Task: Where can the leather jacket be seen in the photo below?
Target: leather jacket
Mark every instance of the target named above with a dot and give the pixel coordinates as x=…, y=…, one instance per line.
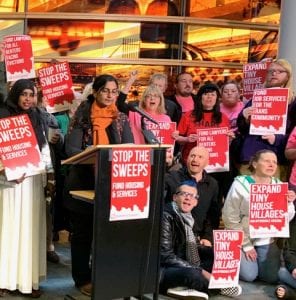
x=173, y=240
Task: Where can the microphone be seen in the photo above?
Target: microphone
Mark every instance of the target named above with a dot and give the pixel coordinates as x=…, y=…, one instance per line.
x=137, y=109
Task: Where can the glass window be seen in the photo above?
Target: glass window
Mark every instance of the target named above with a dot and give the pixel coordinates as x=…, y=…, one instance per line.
x=10, y=27
x=144, y=7
x=131, y=7
x=12, y=6
x=230, y=44
x=241, y=10
x=79, y=6
x=219, y=76
x=104, y=39
x=76, y=39
x=262, y=45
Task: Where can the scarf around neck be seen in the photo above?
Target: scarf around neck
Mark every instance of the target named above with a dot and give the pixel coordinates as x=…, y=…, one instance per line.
x=192, y=255
x=101, y=118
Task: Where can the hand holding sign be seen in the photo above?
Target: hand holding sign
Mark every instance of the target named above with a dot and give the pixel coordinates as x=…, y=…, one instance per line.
x=291, y=196
x=270, y=138
x=247, y=112
x=18, y=148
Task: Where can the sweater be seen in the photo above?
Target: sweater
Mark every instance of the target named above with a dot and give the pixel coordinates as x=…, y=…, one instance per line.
x=235, y=212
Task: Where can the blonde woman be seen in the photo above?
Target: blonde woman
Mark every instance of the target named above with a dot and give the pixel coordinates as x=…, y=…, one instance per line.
x=152, y=103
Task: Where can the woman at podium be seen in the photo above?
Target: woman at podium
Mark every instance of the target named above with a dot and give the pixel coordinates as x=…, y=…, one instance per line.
x=96, y=122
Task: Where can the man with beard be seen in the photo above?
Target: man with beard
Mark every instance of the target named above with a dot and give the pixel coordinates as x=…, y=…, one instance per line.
x=279, y=75
x=183, y=96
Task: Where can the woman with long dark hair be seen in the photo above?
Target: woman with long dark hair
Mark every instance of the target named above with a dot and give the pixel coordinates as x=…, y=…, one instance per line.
x=205, y=114
x=96, y=122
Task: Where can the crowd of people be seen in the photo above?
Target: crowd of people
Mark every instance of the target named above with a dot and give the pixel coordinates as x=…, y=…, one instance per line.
x=196, y=202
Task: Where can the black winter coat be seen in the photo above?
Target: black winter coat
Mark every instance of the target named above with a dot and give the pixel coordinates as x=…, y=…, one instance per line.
x=173, y=240
x=207, y=210
x=78, y=138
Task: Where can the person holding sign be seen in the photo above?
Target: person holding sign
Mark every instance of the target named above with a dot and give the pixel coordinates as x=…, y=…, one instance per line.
x=184, y=273
x=260, y=256
x=22, y=220
x=95, y=122
x=279, y=75
x=206, y=113
x=152, y=104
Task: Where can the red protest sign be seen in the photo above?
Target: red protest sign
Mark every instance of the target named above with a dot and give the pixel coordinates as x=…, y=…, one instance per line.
x=270, y=115
x=227, y=254
x=18, y=147
x=216, y=141
x=163, y=132
x=130, y=183
x=268, y=212
x=18, y=54
x=56, y=85
x=254, y=75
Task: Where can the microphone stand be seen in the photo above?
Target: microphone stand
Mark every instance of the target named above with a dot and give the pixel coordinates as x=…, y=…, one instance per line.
x=148, y=134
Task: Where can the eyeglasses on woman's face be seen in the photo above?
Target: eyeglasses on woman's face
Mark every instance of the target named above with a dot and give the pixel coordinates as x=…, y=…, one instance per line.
x=106, y=91
x=276, y=71
x=27, y=95
x=150, y=96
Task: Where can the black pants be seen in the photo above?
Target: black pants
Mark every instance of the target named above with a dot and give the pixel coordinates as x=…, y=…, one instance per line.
x=189, y=277
x=81, y=246
x=183, y=276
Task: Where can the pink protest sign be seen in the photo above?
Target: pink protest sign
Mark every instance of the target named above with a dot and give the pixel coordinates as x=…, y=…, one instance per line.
x=216, y=141
x=270, y=115
x=18, y=56
x=227, y=254
x=268, y=215
x=163, y=132
x=18, y=148
x=56, y=85
x=130, y=183
x=254, y=75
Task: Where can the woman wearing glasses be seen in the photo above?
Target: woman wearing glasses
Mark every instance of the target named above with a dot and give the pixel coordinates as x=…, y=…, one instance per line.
x=152, y=103
x=96, y=122
x=279, y=74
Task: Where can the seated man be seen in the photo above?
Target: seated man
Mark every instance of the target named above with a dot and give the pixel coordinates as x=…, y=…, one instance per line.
x=207, y=213
x=182, y=269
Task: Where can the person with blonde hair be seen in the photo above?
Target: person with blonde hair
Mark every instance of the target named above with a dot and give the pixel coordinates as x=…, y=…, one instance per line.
x=161, y=81
x=152, y=103
x=260, y=256
x=282, y=68
x=279, y=75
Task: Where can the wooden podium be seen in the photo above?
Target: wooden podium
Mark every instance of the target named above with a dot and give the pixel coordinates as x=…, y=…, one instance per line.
x=125, y=260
